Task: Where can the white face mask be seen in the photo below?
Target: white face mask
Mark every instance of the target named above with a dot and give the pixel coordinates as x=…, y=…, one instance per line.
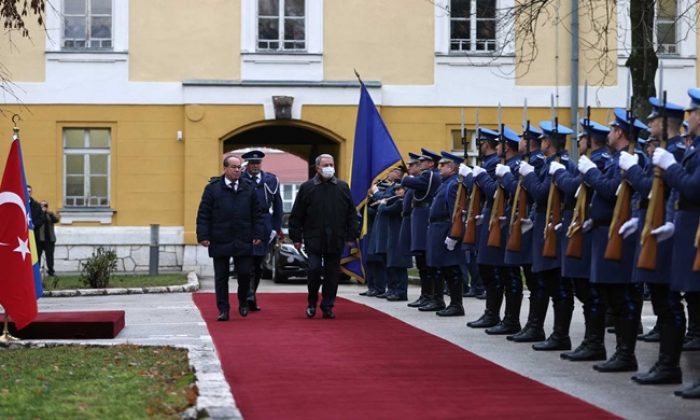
x=327, y=172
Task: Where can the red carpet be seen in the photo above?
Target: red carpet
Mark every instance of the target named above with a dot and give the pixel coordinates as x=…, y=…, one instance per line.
x=365, y=364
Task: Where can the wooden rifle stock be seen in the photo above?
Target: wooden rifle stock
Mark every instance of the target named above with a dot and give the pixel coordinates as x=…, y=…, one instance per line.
x=553, y=218
x=574, y=247
x=518, y=212
x=696, y=263
x=497, y=212
x=457, y=229
x=474, y=210
x=653, y=219
x=621, y=213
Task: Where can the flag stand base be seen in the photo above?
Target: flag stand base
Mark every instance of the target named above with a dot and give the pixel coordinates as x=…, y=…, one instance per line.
x=6, y=337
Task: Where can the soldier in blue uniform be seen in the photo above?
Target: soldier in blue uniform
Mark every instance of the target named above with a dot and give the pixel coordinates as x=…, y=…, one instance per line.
x=529, y=146
x=592, y=142
x=513, y=284
x=559, y=289
x=390, y=220
x=684, y=179
x=424, y=187
x=403, y=246
x=612, y=279
x=443, y=251
x=492, y=268
x=267, y=188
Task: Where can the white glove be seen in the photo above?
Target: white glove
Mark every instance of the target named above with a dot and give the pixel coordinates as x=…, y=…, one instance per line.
x=662, y=158
x=525, y=169
x=587, y=225
x=664, y=231
x=554, y=167
x=502, y=170
x=627, y=161
x=272, y=236
x=629, y=227
x=585, y=164
x=464, y=170
x=477, y=170
x=525, y=225
x=479, y=219
x=450, y=243
x=374, y=189
x=557, y=227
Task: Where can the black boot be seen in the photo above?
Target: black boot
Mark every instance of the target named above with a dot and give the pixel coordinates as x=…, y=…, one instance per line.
x=593, y=346
x=424, y=290
x=667, y=369
x=662, y=373
x=691, y=392
x=490, y=318
x=624, y=359
x=437, y=301
x=559, y=339
x=652, y=336
x=511, y=319
x=533, y=331
x=692, y=338
x=454, y=284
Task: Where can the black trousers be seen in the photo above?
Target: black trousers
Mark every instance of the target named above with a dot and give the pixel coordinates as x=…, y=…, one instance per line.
x=324, y=269
x=47, y=247
x=221, y=277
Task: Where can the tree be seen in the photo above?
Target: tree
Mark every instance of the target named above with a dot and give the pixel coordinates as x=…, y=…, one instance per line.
x=13, y=13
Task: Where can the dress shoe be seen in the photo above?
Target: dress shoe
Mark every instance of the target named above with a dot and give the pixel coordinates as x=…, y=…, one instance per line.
x=328, y=313
x=243, y=310
x=382, y=295
x=584, y=353
x=652, y=336
x=487, y=320
x=618, y=363
x=253, y=305
x=310, y=311
x=372, y=293
x=223, y=316
x=690, y=392
x=431, y=306
x=418, y=302
x=503, y=328
x=451, y=311
x=553, y=343
x=660, y=375
x=691, y=344
x=397, y=298
x=528, y=335
x=364, y=293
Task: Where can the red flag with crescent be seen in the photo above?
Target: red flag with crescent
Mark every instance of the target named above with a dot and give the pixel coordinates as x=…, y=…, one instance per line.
x=17, y=291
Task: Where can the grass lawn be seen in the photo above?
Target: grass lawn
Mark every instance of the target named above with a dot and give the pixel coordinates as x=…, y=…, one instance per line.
x=74, y=282
x=125, y=382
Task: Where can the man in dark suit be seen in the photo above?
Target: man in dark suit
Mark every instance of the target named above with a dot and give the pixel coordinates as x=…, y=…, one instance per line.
x=325, y=217
x=230, y=224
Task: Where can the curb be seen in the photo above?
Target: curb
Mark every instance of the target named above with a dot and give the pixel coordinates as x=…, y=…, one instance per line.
x=192, y=285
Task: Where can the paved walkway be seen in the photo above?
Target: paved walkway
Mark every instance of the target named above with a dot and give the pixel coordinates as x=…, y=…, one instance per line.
x=172, y=319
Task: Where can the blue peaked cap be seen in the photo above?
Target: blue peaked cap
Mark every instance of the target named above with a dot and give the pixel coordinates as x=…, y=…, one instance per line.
x=694, y=94
x=451, y=158
x=428, y=155
x=487, y=134
x=548, y=129
x=413, y=158
x=624, y=124
x=593, y=129
x=510, y=135
x=672, y=110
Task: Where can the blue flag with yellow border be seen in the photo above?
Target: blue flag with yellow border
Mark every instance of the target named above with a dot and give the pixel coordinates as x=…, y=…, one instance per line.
x=374, y=154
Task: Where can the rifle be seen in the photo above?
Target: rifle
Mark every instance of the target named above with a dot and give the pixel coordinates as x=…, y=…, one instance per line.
x=457, y=229
x=655, y=215
x=499, y=205
x=519, y=209
x=474, y=199
x=553, y=215
x=574, y=248
x=622, y=210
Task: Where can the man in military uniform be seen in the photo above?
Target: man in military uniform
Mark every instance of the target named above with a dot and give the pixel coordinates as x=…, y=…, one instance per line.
x=397, y=263
x=267, y=188
x=424, y=187
x=403, y=245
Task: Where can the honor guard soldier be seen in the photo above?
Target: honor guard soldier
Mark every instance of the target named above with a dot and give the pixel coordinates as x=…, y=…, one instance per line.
x=397, y=262
x=548, y=267
x=375, y=261
x=492, y=268
x=424, y=187
x=592, y=142
x=402, y=251
x=612, y=278
x=529, y=147
x=267, y=188
x=684, y=179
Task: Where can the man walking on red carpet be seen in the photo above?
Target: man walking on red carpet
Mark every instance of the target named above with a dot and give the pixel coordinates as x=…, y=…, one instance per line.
x=325, y=217
x=230, y=223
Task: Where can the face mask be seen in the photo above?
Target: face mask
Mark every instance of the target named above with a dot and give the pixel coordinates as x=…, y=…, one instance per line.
x=327, y=172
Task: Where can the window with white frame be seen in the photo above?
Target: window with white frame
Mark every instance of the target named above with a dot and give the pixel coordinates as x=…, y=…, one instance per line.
x=666, y=26
x=281, y=25
x=472, y=26
x=86, y=167
x=289, y=193
x=87, y=24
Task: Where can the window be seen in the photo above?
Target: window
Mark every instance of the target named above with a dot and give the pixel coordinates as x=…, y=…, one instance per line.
x=87, y=24
x=666, y=26
x=86, y=163
x=289, y=193
x=472, y=25
x=281, y=25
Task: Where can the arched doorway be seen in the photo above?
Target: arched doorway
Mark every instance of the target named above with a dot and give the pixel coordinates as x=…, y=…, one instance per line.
x=299, y=138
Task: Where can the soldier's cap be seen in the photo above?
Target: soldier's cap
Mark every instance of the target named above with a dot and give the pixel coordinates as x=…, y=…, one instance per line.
x=254, y=156
x=412, y=158
x=429, y=155
x=694, y=94
x=548, y=129
x=593, y=129
x=624, y=124
x=487, y=134
x=672, y=110
x=510, y=135
x=451, y=158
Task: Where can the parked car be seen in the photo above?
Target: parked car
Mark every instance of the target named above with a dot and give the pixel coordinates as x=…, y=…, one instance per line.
x=284, y=262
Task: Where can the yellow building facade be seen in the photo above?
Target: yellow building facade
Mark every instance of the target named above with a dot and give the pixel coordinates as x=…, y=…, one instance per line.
x=127, y=106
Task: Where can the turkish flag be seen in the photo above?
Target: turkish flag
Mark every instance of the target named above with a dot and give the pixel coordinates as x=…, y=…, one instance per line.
x=17, y=291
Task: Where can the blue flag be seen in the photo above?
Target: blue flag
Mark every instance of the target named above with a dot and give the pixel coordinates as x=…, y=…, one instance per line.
x=374, y=155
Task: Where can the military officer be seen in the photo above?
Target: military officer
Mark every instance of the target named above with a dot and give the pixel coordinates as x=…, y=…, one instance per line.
x=389, y=217
x=267, y=188
x=403, y=245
